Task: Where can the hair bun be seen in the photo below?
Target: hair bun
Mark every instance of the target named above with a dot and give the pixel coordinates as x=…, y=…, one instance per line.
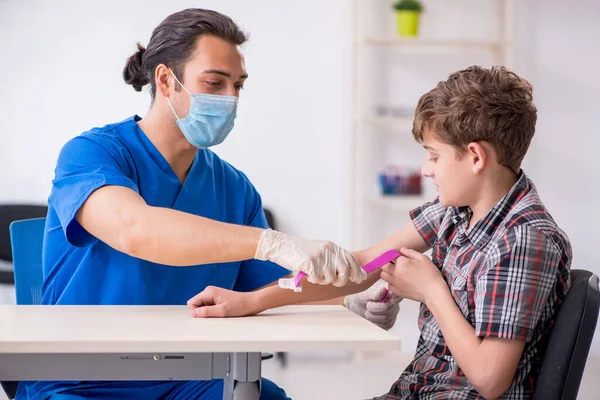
x=134, y=73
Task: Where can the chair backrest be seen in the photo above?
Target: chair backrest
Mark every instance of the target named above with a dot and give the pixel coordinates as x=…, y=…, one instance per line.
x=570, y=340
x=27, y=237
x=15, y=212
x=8, y=214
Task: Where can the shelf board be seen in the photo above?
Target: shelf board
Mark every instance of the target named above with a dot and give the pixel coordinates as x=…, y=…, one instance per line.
x=399, y=202
x=417, y=42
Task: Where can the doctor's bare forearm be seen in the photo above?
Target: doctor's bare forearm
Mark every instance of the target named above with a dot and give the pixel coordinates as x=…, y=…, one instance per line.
x=119, y=217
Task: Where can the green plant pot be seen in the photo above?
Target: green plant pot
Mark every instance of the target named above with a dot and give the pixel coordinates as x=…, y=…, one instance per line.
x=407, y=23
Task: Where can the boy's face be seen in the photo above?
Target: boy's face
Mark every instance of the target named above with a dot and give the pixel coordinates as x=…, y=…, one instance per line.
x=451, y=173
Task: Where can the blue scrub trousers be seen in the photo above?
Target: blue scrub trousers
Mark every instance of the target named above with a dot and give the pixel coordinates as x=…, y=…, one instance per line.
x=186, y=390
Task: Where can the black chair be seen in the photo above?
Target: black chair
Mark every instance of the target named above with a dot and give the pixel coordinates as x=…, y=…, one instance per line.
x=8, y=214
x=570, y=340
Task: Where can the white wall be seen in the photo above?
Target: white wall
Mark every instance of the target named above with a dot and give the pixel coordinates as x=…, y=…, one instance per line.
x=61, y=64
x=560, y=55
x=557, y=50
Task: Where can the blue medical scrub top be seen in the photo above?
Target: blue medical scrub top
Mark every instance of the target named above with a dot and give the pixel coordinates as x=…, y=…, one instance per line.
x=80, y=269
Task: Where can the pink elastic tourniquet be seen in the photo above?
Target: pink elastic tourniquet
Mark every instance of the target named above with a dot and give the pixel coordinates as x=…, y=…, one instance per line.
x=371, y=266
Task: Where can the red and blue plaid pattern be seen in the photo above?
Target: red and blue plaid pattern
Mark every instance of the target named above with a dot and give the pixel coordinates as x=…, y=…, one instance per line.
x=508, y=274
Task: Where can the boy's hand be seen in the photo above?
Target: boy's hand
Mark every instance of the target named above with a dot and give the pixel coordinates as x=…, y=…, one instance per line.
x=218, y=302
x=413, y=276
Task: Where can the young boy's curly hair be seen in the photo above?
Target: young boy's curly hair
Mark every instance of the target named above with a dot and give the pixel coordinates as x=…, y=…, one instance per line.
x=479, y=104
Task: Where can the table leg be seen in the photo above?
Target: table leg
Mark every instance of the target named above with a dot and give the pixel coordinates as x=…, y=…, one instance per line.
x=243, y=380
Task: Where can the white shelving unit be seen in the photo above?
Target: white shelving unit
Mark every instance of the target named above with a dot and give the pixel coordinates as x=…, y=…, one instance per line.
x=373, y=135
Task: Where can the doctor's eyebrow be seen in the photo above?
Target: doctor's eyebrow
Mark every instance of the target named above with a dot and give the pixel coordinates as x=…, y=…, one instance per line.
x=223, y=73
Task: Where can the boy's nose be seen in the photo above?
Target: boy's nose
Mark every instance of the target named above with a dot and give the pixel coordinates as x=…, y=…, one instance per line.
x=426, y=171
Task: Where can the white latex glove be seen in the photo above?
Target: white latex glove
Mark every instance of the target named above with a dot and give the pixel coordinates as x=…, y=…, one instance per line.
x=324, y=262
x=368, y=305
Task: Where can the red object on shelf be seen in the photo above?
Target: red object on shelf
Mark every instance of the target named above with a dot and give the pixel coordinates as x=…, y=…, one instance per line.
x=395, y=180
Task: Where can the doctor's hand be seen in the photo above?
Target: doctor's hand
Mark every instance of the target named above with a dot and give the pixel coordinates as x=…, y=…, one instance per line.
x=216, y=302
x=324, y=262
x=368, y=305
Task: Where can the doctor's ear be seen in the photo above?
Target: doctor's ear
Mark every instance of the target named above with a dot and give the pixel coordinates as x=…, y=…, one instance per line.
x=164, y=80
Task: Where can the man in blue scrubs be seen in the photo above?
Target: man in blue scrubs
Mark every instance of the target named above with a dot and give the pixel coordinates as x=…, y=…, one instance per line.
x=143, y=213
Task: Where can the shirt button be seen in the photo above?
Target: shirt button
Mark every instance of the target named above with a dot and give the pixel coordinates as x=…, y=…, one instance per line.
x=395, y=390
x=426, y=314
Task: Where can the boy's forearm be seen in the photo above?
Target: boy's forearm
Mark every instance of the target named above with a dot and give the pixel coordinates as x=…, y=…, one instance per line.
x=488, y=375
x=274, y=296
x=458, y=333
x=338, y=301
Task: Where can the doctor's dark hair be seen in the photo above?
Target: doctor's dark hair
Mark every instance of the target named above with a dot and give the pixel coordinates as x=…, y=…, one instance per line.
x=174, y=40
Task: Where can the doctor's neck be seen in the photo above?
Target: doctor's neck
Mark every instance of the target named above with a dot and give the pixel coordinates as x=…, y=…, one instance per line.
x=162, y=130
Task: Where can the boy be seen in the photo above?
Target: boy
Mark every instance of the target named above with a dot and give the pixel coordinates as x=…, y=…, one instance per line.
x=500, y=264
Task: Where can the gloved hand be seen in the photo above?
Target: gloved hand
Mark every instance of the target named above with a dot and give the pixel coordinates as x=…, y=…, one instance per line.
x=323, y=262
x=368, y=305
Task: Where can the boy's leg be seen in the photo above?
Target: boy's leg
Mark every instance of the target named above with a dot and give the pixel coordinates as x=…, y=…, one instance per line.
x=213, y=390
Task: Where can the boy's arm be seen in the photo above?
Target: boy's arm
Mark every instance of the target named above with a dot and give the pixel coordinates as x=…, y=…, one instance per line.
x=489, y=363
x=217, y=302
x=405, y=237
x=510, y=298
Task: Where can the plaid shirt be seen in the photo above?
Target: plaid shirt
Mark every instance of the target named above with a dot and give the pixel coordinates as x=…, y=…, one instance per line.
x=507, y=274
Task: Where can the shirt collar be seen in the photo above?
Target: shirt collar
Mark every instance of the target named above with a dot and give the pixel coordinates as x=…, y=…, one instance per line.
x=481, y=233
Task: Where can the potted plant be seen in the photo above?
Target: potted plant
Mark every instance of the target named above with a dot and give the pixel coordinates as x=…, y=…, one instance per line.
x=407, y=16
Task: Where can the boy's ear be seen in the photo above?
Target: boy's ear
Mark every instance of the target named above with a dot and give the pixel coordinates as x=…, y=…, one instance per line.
x=478, y=155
